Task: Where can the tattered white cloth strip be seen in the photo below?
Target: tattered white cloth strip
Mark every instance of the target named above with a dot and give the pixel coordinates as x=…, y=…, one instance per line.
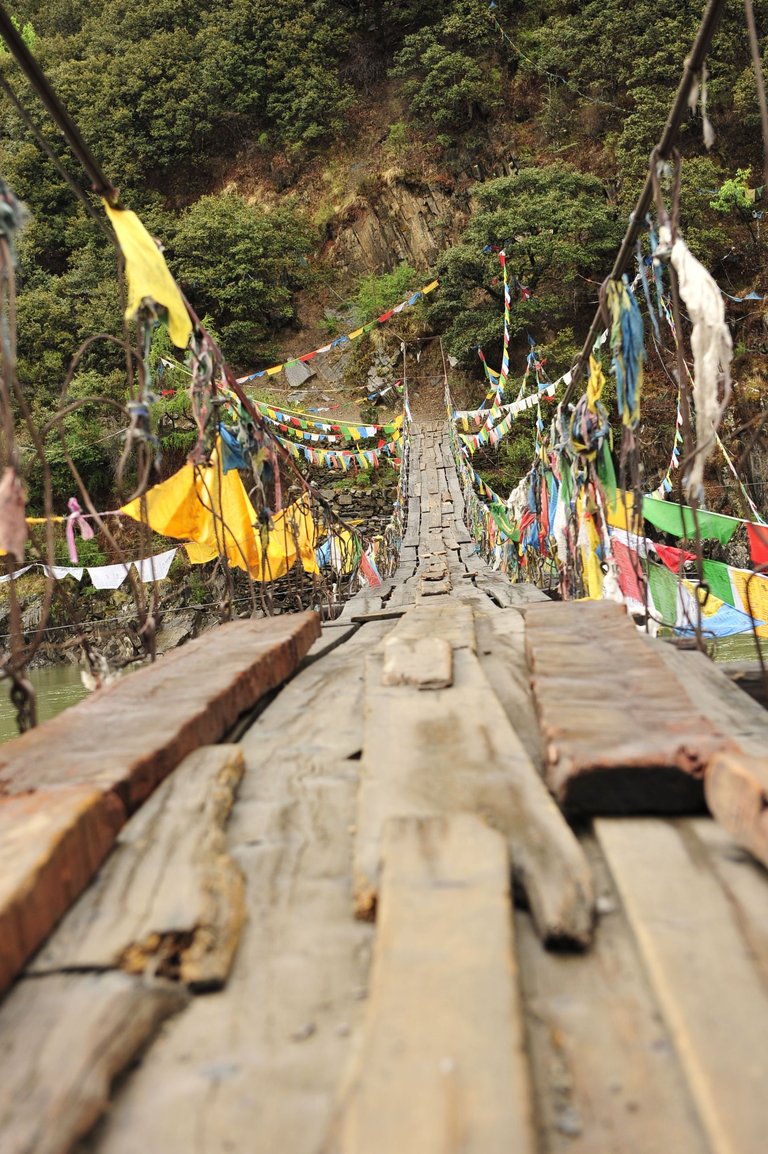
x=62, y=571
x=18, y=573
x=712, y=351
x=107, y=576
x=155, y=568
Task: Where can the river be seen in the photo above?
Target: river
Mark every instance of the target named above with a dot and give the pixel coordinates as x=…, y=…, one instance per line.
x=57, y=687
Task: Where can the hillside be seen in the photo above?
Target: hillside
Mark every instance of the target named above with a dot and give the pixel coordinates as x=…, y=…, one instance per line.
x=307, y=165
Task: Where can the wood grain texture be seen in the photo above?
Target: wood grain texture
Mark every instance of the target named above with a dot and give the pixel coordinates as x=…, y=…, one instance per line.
x=51, y=844
x=255, y=1066
x=606, y=1075
x=736, y=789
x=425, y=662
x=187, y=699
x=604, y=754
x=453, y=750
x=169, y=900
x=65, y=1039
x=713, y=998
x=441, y=1065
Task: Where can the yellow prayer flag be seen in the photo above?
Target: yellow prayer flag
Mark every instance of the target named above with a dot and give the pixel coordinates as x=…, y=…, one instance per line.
x=148, y=274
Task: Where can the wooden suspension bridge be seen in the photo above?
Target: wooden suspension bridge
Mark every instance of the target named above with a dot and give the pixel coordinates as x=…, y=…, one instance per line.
x=314, y=892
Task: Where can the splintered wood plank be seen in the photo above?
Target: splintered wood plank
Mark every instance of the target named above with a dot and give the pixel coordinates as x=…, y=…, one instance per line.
x=170, y=898
x=65, y=1039
x=712, y=996
x=736, y=788
x=441, y=1066
x=256, y=1066
x=453, y=750
x=621, y=734
x=606, y=1075
x=126, y=738
x=51, y=844
x=447, y=618
x=426, y=662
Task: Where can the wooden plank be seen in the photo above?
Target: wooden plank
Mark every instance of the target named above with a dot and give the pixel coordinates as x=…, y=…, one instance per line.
x=727, y=707
x=65, y=1039
x=442, y=1065
x=187, y=699
x=629, y=744
x=508, y=594
x=712, y=997
x=169, y=900
x=388, y=613
x=333, y=633
x=426, y=662
x=736, y=789
x=51, y=844
x=453, y=750
x=256, y=1065
x=501, y=647
x=447, y=618
x=606, y=1076
x=745, y=883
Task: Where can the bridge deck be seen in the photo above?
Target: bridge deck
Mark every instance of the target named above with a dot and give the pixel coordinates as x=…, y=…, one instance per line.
x=399, y=777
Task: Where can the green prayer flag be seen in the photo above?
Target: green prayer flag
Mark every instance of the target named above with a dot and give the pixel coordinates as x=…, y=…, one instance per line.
x=501, y=517
x=663, y=586
x=718, y=578
x=678, y=520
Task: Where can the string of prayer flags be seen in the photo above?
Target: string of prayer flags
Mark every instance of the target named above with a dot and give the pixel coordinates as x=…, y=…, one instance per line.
x=273, y=370
x=678, y=521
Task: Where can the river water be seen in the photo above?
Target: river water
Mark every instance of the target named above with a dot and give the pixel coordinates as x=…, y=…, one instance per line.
x=56, y=688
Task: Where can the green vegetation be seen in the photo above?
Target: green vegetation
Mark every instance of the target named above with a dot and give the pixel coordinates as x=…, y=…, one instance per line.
x=249, y=133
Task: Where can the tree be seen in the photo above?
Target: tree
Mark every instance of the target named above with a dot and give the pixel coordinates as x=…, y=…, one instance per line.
x=242, y=265
x=559, y=234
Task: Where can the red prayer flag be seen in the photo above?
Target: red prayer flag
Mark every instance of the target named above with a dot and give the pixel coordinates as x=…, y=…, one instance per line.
x=758, y=543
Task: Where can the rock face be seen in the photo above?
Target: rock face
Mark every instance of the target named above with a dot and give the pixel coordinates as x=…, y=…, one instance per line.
x=405, y=221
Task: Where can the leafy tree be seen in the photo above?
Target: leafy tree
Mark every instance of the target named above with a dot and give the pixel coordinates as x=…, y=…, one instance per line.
x=449, y=82
x=242, y=265
x=558, y=232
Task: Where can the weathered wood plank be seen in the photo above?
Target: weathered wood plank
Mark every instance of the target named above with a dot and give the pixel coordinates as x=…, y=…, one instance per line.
x=508, y=594
x=629, y=744
x=51, y=844
x=256, y=1065
x=426, y=662
x=442, y=1065
x=447, y=618
x=745, y=883
x=334, y=633
x=728, y=708
x=65, y=1039
x=453, y=750
x=712, y=997
x=501, y=647
x=736, y=789
x=606, y=1076
x=187, y=699
x=170, y=898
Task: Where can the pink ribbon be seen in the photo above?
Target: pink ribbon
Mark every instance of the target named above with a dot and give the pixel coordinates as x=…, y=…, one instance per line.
x=76, y=518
